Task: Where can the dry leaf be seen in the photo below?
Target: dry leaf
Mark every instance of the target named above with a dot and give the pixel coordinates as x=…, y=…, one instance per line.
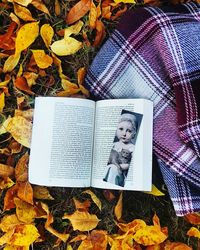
x=155, y=191
x=40, y=6
x=82, y=221
x=119, y=13
x=94, y=198
x=11, y=62
x=150, y=235
x=7, y=236
x=21, y=169
x=193, y=218
x=6, y=170
x=9, y=197
x=174, y=246
x=106, y=12
x=25, y=192
x=118, y=207
x=78, y=238
x=47, y=34
x=27, y=114
x=6, y=40
x=57, y=8
x=2, y=101
x=42, y=60
x=124, y=1
x=132, y=226
x=82, y=206
x=24, y=235
x=193, y=231
x=31, y=78
x=25, y=212
x=6, y=182
x=21, y=2
x=20, y=128
x=12, y=247
x=78, y=10
x=68, y=45
x=41, y=193
x=15, y=19
x=108, y=195
x=93, y=15
x=100, y=33
x=23, y=13
x=8, y=222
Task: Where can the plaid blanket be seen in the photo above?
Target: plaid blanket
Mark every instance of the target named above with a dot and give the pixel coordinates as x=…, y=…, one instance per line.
x=155, y=53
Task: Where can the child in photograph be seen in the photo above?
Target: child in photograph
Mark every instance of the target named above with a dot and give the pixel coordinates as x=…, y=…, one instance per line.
x=121, y=153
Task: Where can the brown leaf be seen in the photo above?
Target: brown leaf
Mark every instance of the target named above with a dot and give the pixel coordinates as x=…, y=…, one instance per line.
x=57, y=8
x=15, y=147
x=100, y=33
x=27, y=114
x=82, y=221
x=118, y=207
x=40, y=6
x=78, y=10
x=6, y=182
x=9, y=197
x=6, y=170
x=21, y=169
x=25, y=192
x=82, y=206
x=108, y=195
x=193, y=218
x=94, y=198
x=7, y=38
x=175, y=246
x=21, y=83
x=41, y=193
x=23, y=13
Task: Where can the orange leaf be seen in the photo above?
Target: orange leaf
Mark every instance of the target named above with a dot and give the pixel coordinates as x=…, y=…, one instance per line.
x=132, y=226
x=47, y=33
x=42, y=60
x=22, y=2
x=40, y=6
x=193, y=231
x=82, y=221
x=9, y=197
x=7, y=37
x=106, y=12
x=6, y=182
x=57, y=8
x=92, y=15
x=94, y=198
x=100, y=33
x=25, y=192
x=21, y=169
x=78, y=10
x=193, y=218
x=175, y=246
x=8, y=222
x=22, y=84
x=31, y=78
x=23, y=13
x=118, y=207
x=78, y=238
x=6, y=170
x=119, y=13
x=156, y=221
x=82, y=206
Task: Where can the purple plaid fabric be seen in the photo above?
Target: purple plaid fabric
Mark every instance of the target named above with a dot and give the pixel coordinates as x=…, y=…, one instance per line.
x=155, y=54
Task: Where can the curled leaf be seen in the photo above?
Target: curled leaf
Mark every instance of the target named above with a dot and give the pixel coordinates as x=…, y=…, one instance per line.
x=82, y=221
x=174, y=246
x=47, y=33
x=23, y=13
x=42, y=60
x=9, y=197
x=93, y=15
x=100, y=33
x=118, y=207
x=193, y=231
x=40, y=6
x=94, y=198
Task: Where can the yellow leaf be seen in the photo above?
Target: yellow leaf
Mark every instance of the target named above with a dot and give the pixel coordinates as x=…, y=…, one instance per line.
x=118, y=207
x=25, y=192
x=11, y=63
x=47, y=33
x=15, y=19
x=6, y=81
x=124, y=1
x=93, y=15
x=82, y=221
x=20, y=71
x=26, y=36
x=2, y=101
x=6, y=170
x=12, y=247
x=40, y=192
x=150, y=235
x=8, y=222
x=20, y=128
x=27, y=114
x=31, y=78
x=193, y=231
x=25, y=212
x=23, y=13
x=21, y=169
x=68, y=45
x=24, y=235
x=7, y=236
x=94, y=198
x=21, y=2
x=40, y=6
x=6, y=182
x=155, y=191
x=42, y=60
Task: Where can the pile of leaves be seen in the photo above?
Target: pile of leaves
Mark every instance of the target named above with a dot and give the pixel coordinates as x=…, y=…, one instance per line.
x=45, y=50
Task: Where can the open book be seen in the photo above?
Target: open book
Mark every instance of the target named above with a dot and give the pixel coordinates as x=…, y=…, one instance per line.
x=81, y=143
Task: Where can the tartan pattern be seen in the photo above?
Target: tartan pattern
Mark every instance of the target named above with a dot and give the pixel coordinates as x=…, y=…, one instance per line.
x=155, y=54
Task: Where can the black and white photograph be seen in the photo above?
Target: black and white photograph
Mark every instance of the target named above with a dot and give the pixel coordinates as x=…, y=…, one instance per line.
x=122, y=150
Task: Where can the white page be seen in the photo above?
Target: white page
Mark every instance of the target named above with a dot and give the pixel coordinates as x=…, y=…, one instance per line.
x=107, y=117
x=62, y=138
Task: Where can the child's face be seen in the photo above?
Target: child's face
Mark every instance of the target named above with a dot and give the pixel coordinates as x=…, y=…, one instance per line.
x=125, y=131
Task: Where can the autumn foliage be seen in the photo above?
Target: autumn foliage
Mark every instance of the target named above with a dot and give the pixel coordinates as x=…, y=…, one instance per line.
x=45, y=49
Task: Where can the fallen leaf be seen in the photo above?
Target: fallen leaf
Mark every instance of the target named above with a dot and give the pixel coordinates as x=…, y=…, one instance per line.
x=21, y=2
x=41, y=193
x=94, y=198
x=21, y=169
x=2, y=101
x=25, y=192
x=82, y=206
x=174, y=246
x=132, y=226
x=108, y=195
x=9, y=197
x=27, y=114
x=40, y=6
x=150, y=235
x=156, y=221
x=6, y=182
x=31, y=78
x=15, y=19
x=92, y=15
x=118, y=207
x=79, y=10
x=23, y=13
x=9, y=222
x=7, y=236
x=106, y=12
x=80, y=237
x=20, y=128
x=47, y=34
x=119, y=13
x=68, y=45
x=42, y=60
x=155, y=191
x=57, y=8
x=193, y=231
x=7, y=38
x=26, y=36
x=24, y=211
x=124, y=1
x=193, y=218
x=11, y=62
x=24, y=235
x=12, y=247
x=100, y=33
x=6, y=171
x=82, y=221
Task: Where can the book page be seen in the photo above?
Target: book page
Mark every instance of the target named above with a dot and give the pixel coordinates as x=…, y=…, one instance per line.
x=121, y=162
x=62, y=142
